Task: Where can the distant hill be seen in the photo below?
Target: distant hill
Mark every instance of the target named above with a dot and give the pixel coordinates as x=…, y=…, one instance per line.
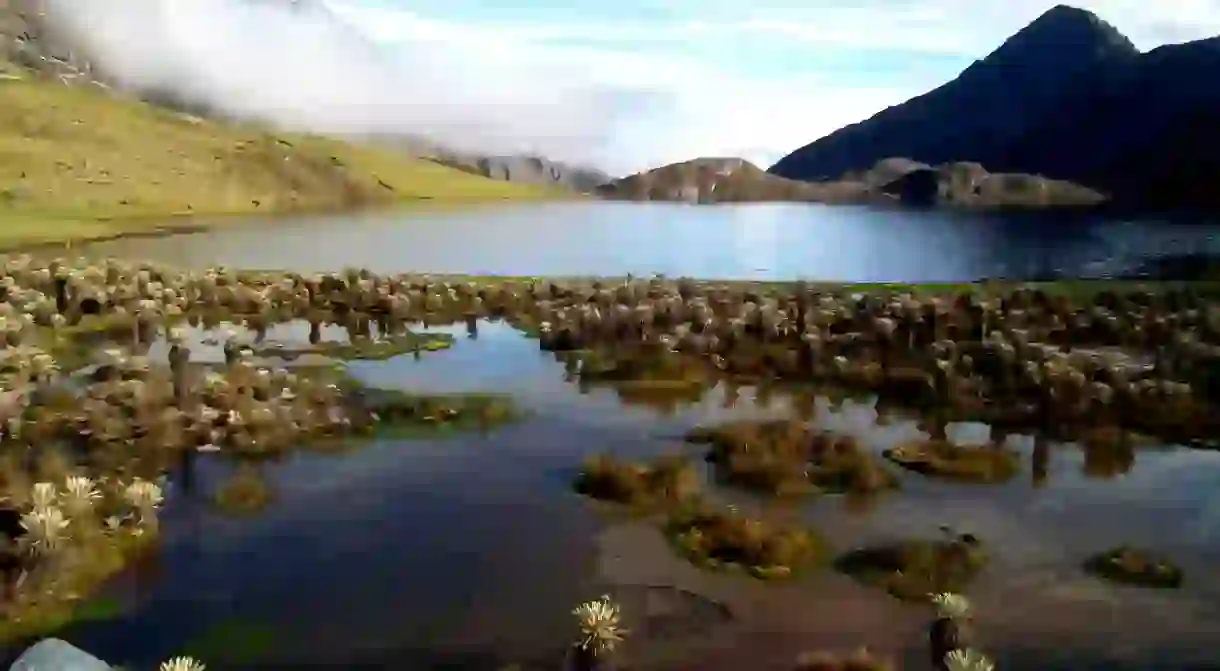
x=1068, y=97
x=726, y=180
x=722, y=180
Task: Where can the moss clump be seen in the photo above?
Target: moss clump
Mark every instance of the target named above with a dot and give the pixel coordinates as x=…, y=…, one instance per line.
x=860, y=660
x=405, y=415
x=913, y=569
x=668, y=479
x=714, y=538
x=787, y=457
x=959, y=462
x=1131, y=566
x=369, y=349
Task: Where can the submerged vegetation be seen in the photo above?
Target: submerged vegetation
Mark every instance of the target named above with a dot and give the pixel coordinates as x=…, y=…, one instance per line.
x=914, y=569
x=1132, y=566
x=960, y=462
x=715, y=538
x=665, y=480
x=785, y=457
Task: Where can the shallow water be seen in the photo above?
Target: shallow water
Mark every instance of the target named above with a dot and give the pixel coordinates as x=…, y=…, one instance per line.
x=760, y=241
x=469, y=552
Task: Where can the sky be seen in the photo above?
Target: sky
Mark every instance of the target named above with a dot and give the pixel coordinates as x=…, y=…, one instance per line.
x=623, y=86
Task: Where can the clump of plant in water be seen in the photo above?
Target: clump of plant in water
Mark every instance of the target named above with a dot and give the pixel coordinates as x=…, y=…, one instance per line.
x=367, y=349
x=74, y=535
x=859, y=660
x=940, y=458
x=665, y=480
x=724, y=538
x=783, y=457
x=1133, y=566
x=403, y=413
x=912, y=569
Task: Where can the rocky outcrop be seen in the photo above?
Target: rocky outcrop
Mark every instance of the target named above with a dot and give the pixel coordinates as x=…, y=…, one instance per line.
x=902, y=180
x=970, y=185
x=1067, y=97
x=526, y=169
x=724, y=180
x=53, y=654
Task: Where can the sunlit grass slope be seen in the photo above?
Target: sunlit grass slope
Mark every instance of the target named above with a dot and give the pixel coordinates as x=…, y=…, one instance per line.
x=80, y=163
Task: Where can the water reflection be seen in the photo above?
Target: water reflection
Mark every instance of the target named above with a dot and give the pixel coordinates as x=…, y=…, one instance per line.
x=428, y=550
x=759, y=241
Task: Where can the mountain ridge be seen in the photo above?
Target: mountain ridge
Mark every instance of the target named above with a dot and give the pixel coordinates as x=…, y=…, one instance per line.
x=1068, y=97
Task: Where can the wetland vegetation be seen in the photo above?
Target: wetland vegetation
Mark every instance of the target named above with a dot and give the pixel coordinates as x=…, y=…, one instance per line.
x=117, y=374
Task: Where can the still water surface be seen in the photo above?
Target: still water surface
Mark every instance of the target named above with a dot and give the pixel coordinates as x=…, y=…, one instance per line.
x=469, y=553
x=764, y=241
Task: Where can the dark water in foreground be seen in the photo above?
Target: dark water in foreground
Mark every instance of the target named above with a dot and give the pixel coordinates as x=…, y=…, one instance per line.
x=469, y=553
x=764, y=241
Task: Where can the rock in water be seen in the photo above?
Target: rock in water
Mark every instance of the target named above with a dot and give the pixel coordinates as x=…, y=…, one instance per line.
x=52, y=654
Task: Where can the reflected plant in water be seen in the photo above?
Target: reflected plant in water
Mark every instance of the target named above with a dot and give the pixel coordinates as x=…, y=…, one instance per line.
x=182, y=664
x=968, y=660
x=46, y=529
x=599, y=625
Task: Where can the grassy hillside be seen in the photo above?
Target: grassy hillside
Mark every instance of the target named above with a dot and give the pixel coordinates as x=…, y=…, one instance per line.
x=79, y=163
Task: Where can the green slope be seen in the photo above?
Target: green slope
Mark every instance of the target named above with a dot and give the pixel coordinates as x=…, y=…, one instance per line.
x=79, y=163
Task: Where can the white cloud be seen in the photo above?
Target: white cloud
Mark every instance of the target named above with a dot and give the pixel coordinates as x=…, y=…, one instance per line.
x=621, y=93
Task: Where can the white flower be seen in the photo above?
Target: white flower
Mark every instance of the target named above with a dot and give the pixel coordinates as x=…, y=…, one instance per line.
x=45, y=527
x=953, y=606
x=43, y=495
x=968, y=660
x=143, y=495
x=79, y=494
x=599, y=624
x=182, y=664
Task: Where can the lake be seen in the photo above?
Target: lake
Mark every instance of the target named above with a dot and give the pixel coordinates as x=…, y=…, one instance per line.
x=470, y=552
x=764, y=241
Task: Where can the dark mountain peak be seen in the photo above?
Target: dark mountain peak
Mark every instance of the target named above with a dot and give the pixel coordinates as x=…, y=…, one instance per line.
x=1065, y=32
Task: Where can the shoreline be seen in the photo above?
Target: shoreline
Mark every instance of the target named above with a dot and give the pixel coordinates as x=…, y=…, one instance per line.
x=190, y=223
